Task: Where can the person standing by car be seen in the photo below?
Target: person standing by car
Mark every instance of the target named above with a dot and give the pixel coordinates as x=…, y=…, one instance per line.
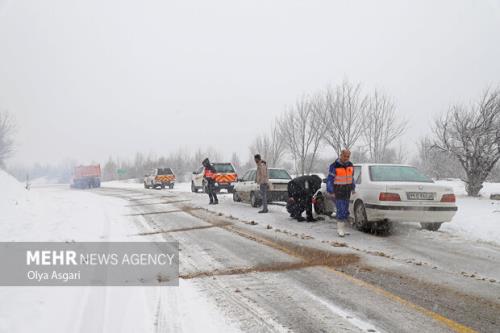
x=208, y=175
x=300, y=193
x=262, y=179
x=340, y=183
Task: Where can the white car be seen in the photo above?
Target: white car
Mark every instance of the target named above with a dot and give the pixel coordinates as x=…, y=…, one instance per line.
x=246, y=189
x=388, y=193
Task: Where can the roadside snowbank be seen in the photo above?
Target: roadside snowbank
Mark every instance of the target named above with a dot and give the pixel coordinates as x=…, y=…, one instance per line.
x=59, y=214
x=12, y=192
x=477, y=218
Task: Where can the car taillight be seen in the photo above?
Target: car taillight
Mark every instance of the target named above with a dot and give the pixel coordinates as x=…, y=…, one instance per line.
x=384, y=196
x=448, y=198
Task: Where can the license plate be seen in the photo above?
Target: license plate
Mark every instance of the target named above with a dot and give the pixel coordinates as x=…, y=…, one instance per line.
x=420, y=195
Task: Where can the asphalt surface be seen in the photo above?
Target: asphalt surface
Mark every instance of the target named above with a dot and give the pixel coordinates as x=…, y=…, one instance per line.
x=268, y=281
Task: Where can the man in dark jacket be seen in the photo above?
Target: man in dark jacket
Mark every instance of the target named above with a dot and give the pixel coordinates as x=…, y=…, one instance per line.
x=208, y=175
x=300, y=193
x=340, y=183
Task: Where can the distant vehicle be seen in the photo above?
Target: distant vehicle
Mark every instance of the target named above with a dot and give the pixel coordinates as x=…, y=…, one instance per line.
x=160, y=177
x=225, y=178
x=387, y=193
x=86, y=176
x=248, y=190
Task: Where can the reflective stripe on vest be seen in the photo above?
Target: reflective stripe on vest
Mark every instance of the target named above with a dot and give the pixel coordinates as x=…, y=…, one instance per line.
x=343, y=176
x=209, y=173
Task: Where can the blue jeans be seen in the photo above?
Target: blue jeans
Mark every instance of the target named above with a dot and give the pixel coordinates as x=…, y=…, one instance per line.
x=342, y=206
x=263, y=194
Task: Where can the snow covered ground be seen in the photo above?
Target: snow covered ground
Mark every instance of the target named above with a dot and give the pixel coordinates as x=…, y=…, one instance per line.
x=56, y=213
x=477, y=218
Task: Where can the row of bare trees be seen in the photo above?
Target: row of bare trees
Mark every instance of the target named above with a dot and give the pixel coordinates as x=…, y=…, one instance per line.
x=337, y=117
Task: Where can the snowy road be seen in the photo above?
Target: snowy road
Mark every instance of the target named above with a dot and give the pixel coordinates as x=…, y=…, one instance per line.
x=279, y=275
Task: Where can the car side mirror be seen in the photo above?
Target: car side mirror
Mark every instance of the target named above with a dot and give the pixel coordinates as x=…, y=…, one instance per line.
x=324, y=180
x=194, y=173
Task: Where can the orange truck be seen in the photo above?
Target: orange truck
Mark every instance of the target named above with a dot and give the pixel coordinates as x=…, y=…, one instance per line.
x=86, y=176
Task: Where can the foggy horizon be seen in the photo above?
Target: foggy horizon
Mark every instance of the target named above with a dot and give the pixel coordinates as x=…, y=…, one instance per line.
x=86, y=81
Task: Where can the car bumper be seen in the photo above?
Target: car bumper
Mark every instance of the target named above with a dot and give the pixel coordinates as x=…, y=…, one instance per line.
x=224, y=185
x=400, y=213
x=275, y=196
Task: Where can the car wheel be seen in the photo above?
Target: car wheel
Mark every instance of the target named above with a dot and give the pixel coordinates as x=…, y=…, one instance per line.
x=204, y=187
x=253, y=200
x=146, y=185
x=193, y=188
x=360, y=219
x=162, y=186
x=171, y=186
x=236, y=197
x=431, y=226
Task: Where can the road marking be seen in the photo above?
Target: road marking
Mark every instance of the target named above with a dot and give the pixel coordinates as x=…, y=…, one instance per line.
x=453, y=325
x=351, y=318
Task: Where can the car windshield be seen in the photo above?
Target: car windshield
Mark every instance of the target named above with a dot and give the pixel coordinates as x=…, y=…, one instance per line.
x=223, y=167
x=278, y=174
x=397, y=173
x=165, y=171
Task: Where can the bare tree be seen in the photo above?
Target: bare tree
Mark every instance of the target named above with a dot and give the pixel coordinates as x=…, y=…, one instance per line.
x=436, y=163
x=380, y=126
x=235, y=160
x=7, y=129
x=270, y=146
x=345, y=107
x=302, y=128
x=472, y=135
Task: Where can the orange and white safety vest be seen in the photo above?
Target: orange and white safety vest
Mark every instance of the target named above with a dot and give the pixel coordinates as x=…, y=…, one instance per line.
x=343, y=175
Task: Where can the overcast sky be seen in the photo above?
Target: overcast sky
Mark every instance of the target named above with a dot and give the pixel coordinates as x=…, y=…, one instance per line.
x=89, y=79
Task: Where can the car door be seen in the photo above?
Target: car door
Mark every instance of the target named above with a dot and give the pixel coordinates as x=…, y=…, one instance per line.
x=252, y=185
x=198, y=178
x=240, y=186
x=358, y=180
